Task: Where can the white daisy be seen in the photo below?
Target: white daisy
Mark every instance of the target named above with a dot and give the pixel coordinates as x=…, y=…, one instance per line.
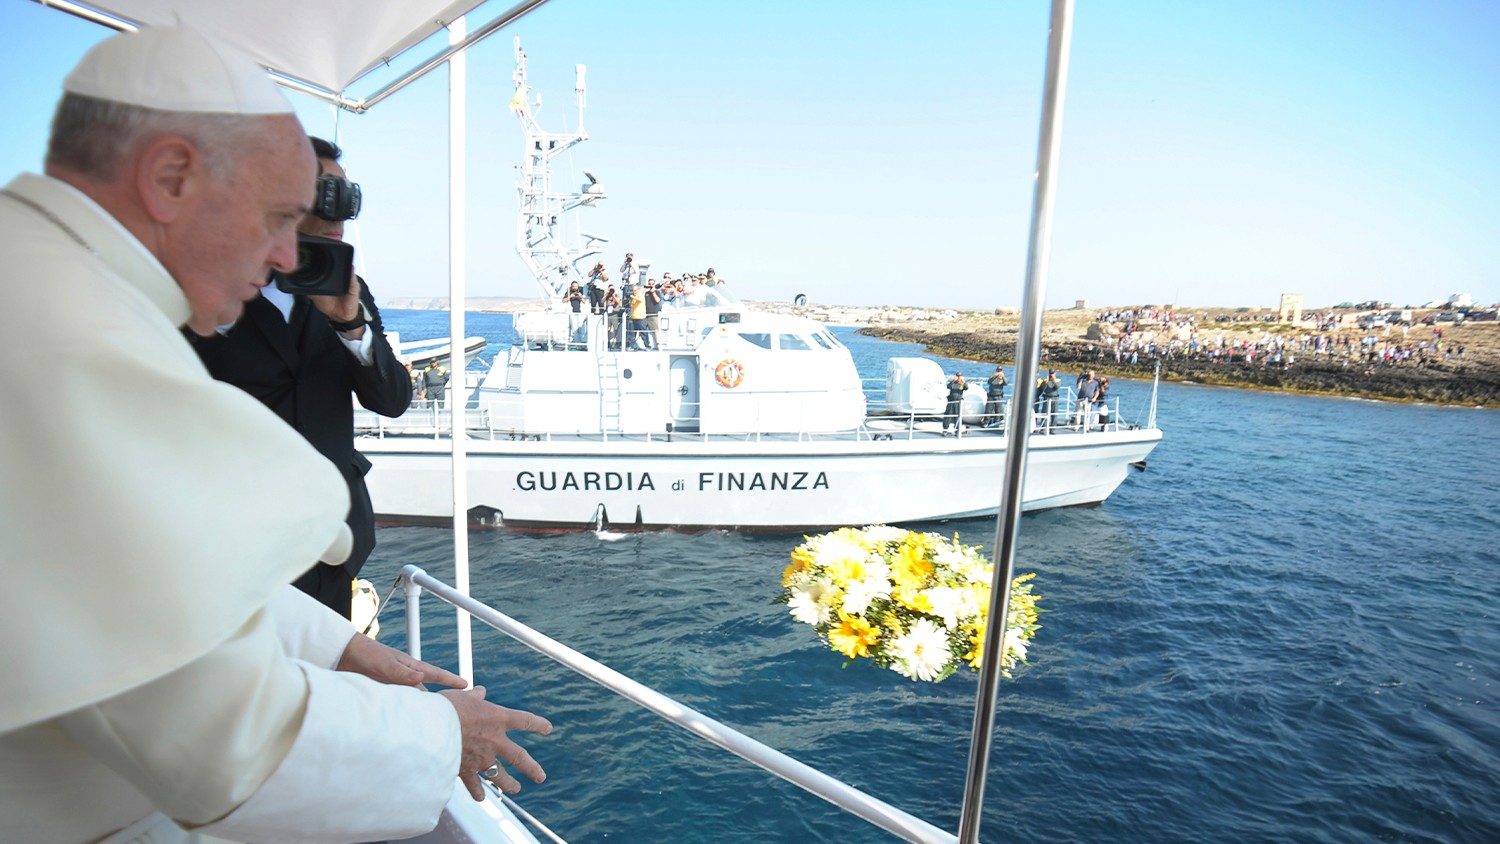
x=832, y=548
x=884, y=533
x=1015, y=646
x=922, y=652
x=806, y=606
x=951, y=558
x=859, y=594
x=947, y=604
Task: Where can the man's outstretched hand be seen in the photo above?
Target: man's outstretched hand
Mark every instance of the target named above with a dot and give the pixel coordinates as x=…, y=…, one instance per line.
x=385, y=664
x=484, y=726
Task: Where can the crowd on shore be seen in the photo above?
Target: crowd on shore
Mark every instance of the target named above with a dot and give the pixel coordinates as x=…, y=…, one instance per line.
x=1268, y=350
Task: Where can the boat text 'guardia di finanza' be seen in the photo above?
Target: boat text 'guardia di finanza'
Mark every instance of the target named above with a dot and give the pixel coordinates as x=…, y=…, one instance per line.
x=529, y=481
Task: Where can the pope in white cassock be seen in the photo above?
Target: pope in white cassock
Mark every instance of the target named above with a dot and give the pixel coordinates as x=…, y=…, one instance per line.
x=161, y=680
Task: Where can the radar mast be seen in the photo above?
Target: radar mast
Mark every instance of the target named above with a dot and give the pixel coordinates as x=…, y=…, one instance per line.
x=539, y=239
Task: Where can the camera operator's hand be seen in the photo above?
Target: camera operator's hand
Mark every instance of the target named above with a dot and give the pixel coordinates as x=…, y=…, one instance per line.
x=343, y=308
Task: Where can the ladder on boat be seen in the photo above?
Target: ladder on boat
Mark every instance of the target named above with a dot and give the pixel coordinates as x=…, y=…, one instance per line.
x=609, y=392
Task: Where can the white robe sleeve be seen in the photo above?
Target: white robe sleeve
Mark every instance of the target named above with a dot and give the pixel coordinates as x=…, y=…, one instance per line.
x=253, y=745
x=308, y=630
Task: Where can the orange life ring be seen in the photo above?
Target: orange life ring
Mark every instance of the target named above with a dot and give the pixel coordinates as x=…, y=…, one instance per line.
x=729, y=373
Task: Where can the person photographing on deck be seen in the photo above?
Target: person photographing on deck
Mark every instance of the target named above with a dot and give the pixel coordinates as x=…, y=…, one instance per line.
x=994, y=405
x=302, y=357
x=160, y=673
x=952, y=413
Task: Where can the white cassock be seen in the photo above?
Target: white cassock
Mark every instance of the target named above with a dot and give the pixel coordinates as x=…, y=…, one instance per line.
x=153, y=658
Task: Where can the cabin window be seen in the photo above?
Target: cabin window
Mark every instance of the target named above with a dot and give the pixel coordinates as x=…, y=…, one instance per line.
x=761, y=340
x=792, y=342
x=823, y=340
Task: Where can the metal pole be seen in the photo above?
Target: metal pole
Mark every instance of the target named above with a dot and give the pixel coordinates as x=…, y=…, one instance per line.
x=457, y=278
x=1028, y=355
x=413, y=611
x=1155, y=385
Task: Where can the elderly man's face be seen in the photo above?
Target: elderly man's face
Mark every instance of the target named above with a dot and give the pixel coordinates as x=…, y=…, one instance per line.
x=245, y=225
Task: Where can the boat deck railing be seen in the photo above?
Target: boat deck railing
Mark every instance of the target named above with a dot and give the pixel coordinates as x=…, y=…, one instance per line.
x=434, y=419
x=835, y=791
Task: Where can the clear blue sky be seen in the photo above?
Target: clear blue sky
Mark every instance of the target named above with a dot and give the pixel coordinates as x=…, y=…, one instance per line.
x=881, y=153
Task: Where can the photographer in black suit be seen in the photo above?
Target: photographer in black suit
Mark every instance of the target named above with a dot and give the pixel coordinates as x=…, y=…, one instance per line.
x=302, y=356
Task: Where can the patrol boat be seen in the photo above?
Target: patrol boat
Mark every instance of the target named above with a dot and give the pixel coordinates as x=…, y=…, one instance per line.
x=721, y=417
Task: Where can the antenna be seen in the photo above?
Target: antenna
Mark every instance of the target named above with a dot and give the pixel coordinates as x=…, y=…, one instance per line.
x=580, y=87
x=539, y=239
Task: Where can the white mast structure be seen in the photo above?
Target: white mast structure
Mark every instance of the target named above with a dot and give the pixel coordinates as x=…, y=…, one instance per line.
x=539, y=239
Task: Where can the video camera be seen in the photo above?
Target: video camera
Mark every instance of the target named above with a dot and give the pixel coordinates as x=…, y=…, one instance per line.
x=335, y=198
x=324, y=266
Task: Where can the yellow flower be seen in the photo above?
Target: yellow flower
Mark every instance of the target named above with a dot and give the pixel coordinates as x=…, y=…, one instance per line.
x=910, y=568
x=802, y=561
x=853, y=636
x=976, y=654
x=913, y=599
x=846, y=570
x=833, y=596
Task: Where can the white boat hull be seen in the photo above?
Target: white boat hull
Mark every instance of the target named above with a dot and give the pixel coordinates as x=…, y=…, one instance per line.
x=748, y=484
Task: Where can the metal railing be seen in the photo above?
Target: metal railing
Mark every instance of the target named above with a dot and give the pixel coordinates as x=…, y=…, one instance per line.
x=835, y=791
x=432, y=418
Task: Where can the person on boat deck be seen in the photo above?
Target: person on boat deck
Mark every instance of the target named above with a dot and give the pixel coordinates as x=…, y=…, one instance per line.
x=956, y=387
x=302, y=356
x=574, y=297
x=418, y=382
x=627, y=270
x=161, y=675
x=437, y=382
x=637, y=318
x=994, y=405
x=1047, y=395
x=1083, y=393
x=653, y=313
x=596, y=281
x=613, y=319
x=1099, y=415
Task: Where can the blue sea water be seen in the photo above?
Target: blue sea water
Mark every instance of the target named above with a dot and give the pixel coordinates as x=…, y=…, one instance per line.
x=1288, y=628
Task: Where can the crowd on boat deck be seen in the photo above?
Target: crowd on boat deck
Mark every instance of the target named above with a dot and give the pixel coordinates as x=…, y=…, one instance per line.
x=430, y=384
x=1083, y=407
x=632, y=310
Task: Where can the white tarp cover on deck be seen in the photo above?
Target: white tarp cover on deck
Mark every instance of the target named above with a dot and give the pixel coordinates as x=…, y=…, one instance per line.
x=329, y=43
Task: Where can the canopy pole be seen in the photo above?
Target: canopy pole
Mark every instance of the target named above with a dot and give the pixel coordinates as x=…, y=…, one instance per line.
x=458, y=393
x=1028, y=356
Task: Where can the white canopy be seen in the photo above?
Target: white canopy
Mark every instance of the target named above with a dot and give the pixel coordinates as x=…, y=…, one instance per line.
x=325, y=43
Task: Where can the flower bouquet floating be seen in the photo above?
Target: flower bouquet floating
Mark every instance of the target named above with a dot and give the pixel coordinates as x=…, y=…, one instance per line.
x=915, y=603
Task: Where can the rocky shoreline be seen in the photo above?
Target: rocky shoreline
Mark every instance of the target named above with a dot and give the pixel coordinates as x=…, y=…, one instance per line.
x=1473, y=381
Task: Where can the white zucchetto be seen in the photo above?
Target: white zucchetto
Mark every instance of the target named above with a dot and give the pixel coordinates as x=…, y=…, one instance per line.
x=175, y=69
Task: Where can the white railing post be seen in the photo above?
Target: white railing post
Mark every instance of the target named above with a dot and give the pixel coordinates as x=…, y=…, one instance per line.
x=413, y=608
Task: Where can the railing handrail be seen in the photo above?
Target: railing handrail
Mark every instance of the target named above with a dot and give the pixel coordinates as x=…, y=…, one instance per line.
x=806, y=777
x=433, y=418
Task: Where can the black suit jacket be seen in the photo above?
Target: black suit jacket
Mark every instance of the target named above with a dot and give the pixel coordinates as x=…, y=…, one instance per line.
x=299, y=369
